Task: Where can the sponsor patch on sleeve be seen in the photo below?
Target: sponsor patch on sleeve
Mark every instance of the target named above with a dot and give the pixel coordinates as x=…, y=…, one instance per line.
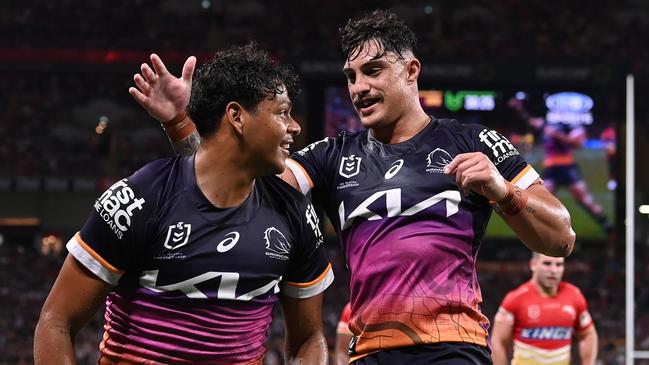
x=118, y=205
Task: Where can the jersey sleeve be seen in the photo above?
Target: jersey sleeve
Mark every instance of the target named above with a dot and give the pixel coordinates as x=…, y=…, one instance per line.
x=310, y=272
x=583, y=320
x=343, y=323
x=311, y=164
x=509, y=162
x=507, y=309
x=109, y=239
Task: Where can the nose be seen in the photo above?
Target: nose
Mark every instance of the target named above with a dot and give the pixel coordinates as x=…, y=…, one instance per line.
x=293, y=127
x=360, y=86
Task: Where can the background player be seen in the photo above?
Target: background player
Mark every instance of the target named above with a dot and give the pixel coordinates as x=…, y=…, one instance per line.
x=190, y=253
x=559, y=165
x=539, y=318
x=410, y=200
x=343, y=336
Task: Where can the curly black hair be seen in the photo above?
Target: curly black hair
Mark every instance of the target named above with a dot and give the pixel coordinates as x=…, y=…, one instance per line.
x=382, y=26
x=243, y=74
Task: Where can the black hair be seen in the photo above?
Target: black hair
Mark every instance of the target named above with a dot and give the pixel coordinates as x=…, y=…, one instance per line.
x=242, y=74
x=383, y=26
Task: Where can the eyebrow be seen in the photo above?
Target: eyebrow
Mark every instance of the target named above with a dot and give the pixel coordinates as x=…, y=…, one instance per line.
x=370, y=63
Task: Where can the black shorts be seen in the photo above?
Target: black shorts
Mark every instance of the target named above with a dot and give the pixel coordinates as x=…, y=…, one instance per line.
x=562, y=174
x=445, y=353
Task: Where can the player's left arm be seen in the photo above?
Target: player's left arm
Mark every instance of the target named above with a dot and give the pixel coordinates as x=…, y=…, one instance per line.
x=588, y=345
x=534, y=214
x=305, y=342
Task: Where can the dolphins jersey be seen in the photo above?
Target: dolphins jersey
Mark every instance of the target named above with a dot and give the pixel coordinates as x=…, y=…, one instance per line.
x=196, y=284
x=409, y=235
x=543, y=326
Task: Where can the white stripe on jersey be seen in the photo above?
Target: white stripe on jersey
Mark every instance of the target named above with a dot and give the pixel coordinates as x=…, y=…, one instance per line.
x=90, y=263
x=309, y=291
x=526, y=178
x=300, y=176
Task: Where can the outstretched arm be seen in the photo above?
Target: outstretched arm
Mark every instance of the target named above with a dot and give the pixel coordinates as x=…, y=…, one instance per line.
x=165, y=98
x=305, y=342
x=535, y=215
x=75, y=297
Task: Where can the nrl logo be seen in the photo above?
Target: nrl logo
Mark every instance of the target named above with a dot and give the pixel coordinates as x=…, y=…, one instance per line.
x=177, y=235
x=350, y=166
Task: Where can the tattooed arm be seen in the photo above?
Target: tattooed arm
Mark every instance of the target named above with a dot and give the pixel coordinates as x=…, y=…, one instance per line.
x=165, y=98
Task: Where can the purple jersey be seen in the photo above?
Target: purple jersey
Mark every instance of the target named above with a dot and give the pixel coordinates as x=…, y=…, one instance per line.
x=194, y=283
x=410, y=237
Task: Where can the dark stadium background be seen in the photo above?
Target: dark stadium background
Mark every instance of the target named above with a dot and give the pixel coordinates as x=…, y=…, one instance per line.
x=68, y=127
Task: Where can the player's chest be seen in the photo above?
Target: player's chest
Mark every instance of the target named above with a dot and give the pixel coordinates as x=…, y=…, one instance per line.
x=383, y=186
x=194, y=257
x=557, y=312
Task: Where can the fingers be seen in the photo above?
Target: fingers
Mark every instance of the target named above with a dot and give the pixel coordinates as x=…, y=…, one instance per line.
x=148, y=74
x=158, y=65
x=141, y=84
x=459, y=159
x=137, y=95
x=188, y=69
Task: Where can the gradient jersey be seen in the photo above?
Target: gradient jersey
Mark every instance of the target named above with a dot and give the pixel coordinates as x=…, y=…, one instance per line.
x=196, y=284
x=410, y=237
x=543, y=326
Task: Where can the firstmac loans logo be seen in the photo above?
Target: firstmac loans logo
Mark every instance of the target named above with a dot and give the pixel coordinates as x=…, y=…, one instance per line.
x=117, y=205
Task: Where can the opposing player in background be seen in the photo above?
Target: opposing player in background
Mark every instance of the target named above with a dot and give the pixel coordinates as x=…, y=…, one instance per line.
x=191, y=253
x=560, y=167
x=539, y=319
x=343, y=336
x=410, y=198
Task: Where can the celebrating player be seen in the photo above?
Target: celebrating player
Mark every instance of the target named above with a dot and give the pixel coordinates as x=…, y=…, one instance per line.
x=191, y=253
x=541, y=317
x=410, y=198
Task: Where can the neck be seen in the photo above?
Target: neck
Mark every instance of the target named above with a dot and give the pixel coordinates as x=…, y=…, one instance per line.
x=548, y=292
x=219, y=173
x=405, y=127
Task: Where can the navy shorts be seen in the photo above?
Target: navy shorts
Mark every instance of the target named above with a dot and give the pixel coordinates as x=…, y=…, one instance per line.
x=445, y=353
x=562, y=174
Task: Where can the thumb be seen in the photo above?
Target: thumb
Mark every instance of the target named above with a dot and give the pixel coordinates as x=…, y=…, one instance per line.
x=188, y=69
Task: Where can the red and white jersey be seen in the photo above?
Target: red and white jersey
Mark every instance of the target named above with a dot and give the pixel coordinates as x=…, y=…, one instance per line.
x=543, y=325
x=343, y=323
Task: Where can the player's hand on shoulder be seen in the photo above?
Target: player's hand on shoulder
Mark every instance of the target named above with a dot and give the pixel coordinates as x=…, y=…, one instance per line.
x=475, y=172
x=160, y=93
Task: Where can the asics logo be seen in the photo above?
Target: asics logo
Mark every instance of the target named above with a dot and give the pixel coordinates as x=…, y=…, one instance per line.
x=396, y=166
x=229, y=242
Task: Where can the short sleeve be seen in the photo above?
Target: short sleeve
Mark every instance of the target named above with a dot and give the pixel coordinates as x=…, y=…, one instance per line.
x=109, y=239
x=583, y=320
x=310, y=164
x=507, y=310
x=504, y=156
x=310, y=272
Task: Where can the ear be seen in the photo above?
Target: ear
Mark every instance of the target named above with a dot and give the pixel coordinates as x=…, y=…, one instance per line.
x=412, y=68
x=234, y=116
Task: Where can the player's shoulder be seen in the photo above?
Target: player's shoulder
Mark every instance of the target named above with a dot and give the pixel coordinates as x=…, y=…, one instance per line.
x=281, y=193
x=517, y=293
x=569, y=288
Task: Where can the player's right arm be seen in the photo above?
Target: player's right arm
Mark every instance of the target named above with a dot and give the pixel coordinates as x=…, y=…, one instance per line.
x=75, y=297
x=502, y=337
x=165, y=98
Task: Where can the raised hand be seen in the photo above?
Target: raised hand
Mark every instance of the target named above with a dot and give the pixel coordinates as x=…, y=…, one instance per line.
x=475, y=172
x=160, y=93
